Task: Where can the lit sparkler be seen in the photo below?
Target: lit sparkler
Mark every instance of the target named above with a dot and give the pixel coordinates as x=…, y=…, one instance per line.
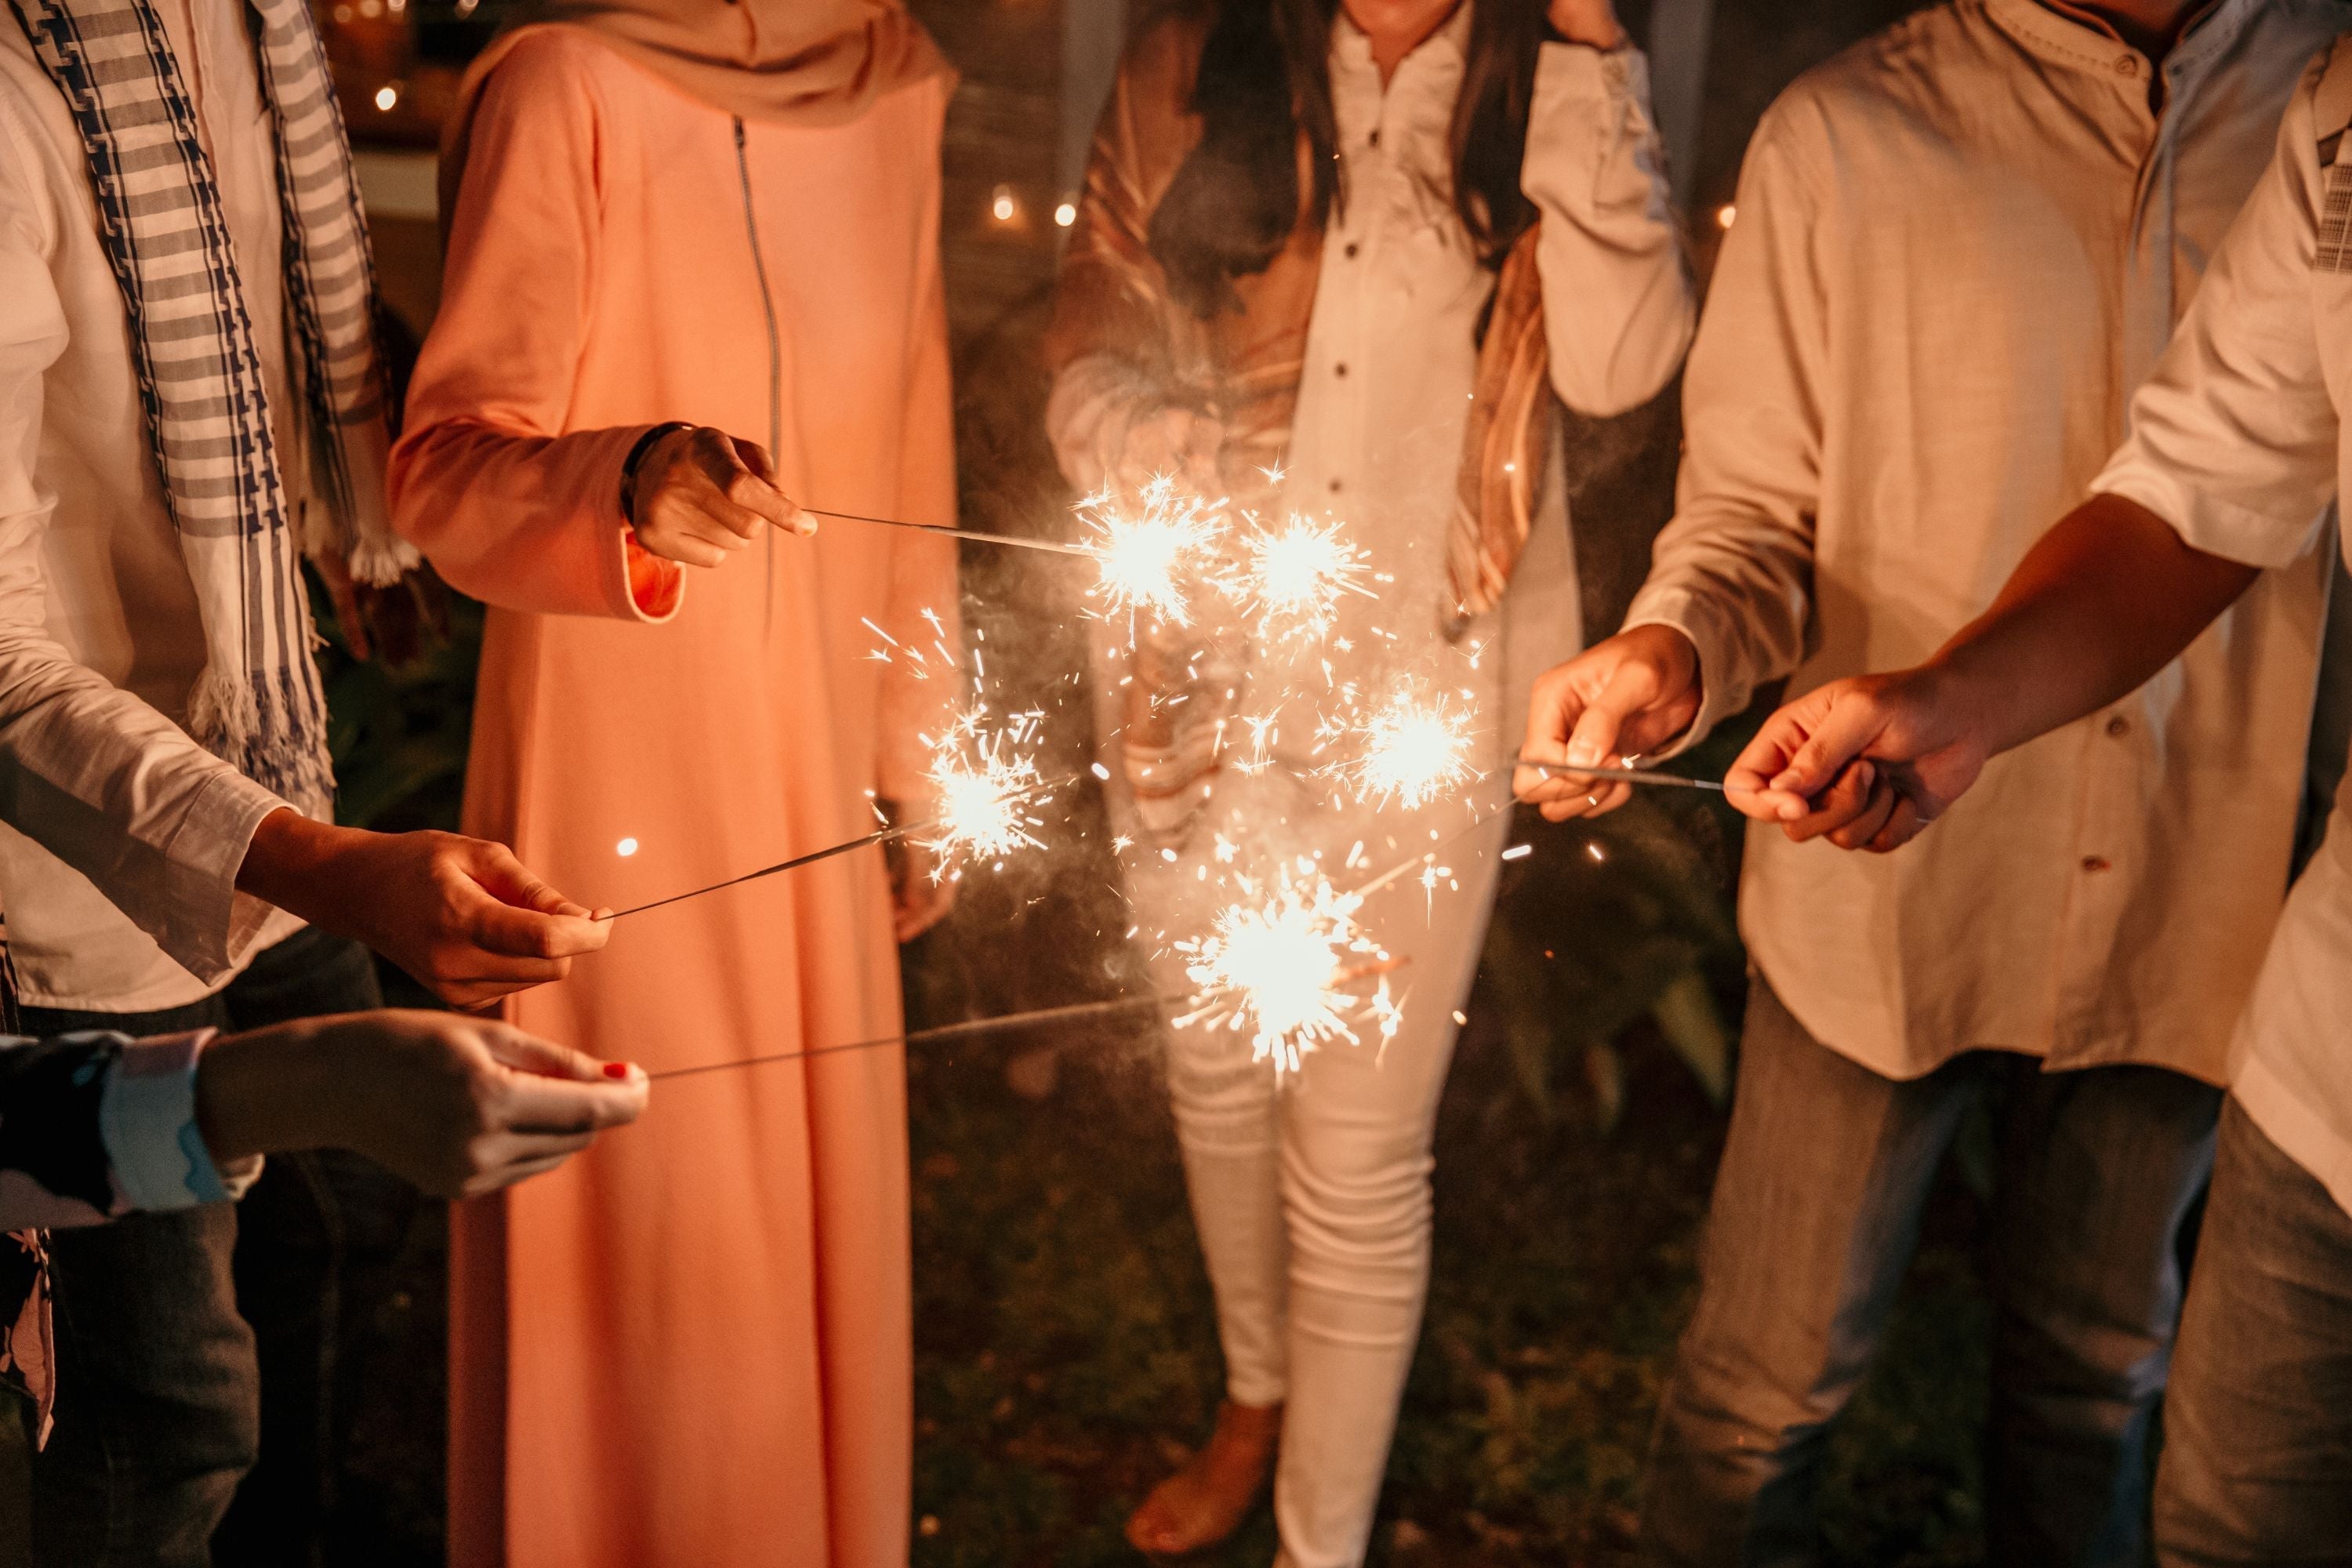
x=1296, y=575
x=1148, y=557
x=987, y=782
x=1410, y=751
x=1277, y=962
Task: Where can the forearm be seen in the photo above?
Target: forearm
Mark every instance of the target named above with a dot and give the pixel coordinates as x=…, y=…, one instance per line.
x=266, y=1092
x=2109, y=596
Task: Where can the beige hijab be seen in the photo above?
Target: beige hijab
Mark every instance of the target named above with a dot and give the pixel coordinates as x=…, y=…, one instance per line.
x=794, y=62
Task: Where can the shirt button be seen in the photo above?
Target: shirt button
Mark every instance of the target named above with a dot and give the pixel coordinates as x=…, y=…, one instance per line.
x=1352, y=250
x=1339, y=370
x=2118, y=726
x=2095, y=863
x=1375, y=138
x=1335, y=487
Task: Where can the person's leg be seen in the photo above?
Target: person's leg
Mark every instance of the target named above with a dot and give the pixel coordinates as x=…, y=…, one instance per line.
x=317, y=1239
x=1226, y=1130
x=156, y=1414
x=2257, y=1466
x=1814, y=1219
x=1357, y=1127
x=2099, y=1171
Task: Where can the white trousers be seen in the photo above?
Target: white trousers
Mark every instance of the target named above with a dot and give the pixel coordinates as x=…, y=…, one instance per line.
x=1312, y=1200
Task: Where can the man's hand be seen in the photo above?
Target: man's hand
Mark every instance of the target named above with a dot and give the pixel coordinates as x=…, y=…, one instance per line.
x=458, y=1106
x=1593, y=22
x=1866, y=763
x=1621, y=697
x=701, y=495
x=463, y=915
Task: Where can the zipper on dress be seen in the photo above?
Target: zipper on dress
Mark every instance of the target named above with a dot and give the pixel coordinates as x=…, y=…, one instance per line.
x=775, y=361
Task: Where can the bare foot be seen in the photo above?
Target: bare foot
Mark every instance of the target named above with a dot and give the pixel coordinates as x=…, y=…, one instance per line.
x=1203, y=1503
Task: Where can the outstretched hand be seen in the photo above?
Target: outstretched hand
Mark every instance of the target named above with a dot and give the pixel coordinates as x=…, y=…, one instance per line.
x=1867, y=762
x=701, y=495
x=1622, y=697
x=462, y=915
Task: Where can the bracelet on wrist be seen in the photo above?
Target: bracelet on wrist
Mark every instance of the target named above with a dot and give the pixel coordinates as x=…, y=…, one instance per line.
x=636, y=457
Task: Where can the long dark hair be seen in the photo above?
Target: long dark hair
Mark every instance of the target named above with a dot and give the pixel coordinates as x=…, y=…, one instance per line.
x=1265, y=77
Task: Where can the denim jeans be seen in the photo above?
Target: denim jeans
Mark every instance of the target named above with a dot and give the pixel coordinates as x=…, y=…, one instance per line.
x=2258, y=1427
x=1814, y=1219
x=166, y=1397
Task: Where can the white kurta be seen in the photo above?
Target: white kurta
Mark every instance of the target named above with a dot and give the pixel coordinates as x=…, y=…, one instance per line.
x=1312, y=1196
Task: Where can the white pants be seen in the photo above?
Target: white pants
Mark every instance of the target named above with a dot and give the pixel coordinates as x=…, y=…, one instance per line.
x=1312, y=1199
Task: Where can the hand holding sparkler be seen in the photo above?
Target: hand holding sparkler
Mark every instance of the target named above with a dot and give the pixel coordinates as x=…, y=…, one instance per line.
x=1623, y=697
x=696, y=495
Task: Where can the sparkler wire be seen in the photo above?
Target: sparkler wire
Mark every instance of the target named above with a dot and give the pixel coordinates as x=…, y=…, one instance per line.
x=938, y=1032
x=1622, y=775
x=1016, y=540
x=881, y=835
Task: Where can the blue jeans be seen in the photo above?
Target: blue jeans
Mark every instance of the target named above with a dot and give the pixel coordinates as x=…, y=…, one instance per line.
x=166, y=1397
x=1814, y=1219
x=2258, y=1428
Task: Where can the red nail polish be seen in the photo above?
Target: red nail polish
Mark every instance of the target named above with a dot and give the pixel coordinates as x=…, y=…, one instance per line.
x=616, y=1070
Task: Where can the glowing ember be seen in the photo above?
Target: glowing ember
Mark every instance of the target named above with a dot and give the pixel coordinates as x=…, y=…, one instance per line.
x=1411, y=752
x=986, y=783
x=1296, y=575
x=1277, y=963
x=1148, y=557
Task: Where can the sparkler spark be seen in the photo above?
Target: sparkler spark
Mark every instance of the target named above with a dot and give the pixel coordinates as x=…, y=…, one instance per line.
x=1411, y=752
x=1296, y=575
x=1277, y=962
x=1147, y=556
x=987, y=782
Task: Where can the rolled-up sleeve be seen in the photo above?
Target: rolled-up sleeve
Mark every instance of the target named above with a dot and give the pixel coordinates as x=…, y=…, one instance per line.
x=1618, y=297
x=1734, y=569
x=2233, y=439
x=88, y=770
x=95, y=1125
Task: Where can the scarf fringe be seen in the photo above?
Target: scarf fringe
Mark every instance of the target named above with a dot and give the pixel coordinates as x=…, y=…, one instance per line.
x=263, y=727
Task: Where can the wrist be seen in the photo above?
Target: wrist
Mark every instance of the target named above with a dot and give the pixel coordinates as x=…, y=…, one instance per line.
x=263, y=1092
x=289, y=859
x=632, y=464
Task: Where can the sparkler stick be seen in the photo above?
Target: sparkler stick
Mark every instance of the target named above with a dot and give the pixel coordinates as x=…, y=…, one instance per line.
x=882, y=836
x=1016, y=540
x=1622, y=775
x=938, y=1032
x=945, y=827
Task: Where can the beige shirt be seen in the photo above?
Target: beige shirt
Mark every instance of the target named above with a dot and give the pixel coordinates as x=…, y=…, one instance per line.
x=2236, y=441
x=100, y=641
x=1958, y=249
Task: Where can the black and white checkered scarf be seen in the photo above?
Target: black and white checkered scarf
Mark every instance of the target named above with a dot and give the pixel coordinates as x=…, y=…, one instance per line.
x=258, y=703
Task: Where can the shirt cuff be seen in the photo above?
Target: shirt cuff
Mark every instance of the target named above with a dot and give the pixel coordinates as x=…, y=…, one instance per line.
x=147, y=1115
x=209, y=928
x=1568, y=74
x=1724, y=691
x=638, y=584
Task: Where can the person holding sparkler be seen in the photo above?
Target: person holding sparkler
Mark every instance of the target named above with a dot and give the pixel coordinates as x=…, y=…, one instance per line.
x=1954, y=260
x=2237, y=448
x=693, y=267
x=1270, y=364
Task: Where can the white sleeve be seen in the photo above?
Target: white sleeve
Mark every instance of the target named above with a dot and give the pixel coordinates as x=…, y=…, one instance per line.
x=88, y=770
x=1619, y=303
x=2234, y=438
x=1733, y=571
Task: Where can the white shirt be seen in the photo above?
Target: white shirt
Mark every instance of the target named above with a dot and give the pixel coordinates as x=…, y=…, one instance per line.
x=1393, y=352
x=100, y=641
x=1958, y=249
x=2237, y=441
